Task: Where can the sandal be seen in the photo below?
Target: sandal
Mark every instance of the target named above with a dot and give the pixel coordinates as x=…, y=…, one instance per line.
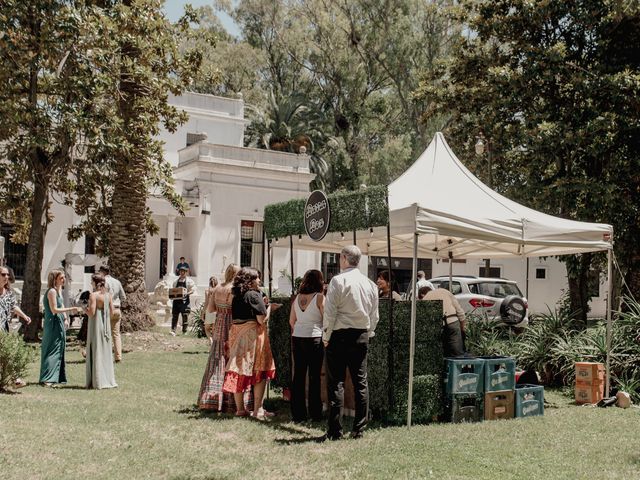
x=19, y=383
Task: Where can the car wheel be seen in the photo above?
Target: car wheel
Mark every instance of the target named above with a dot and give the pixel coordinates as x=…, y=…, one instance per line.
x=513, y=310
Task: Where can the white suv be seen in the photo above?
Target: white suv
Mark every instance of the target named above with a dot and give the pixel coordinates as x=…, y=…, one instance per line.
x=492, y=298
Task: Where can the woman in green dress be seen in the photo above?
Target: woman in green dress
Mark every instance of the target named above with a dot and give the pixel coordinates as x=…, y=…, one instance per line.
x=99, y=350
x=52, y=368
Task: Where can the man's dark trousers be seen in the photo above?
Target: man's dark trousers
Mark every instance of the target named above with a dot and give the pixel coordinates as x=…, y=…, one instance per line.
x=347, y=349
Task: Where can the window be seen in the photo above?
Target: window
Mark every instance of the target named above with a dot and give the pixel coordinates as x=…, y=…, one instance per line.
x=593, y=283
x=251, y=244
x=15, y=255
x=89, y=249
x=330, y=265
x=164, y=252
x=541, y=273
x=457, y=288
x=494, y=272
x=498, y=289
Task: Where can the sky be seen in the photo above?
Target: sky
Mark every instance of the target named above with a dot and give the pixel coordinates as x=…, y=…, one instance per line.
x=175, y=8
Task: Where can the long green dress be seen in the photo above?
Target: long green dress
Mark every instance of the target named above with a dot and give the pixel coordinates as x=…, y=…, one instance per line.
x=52, y=368
x=99, y=353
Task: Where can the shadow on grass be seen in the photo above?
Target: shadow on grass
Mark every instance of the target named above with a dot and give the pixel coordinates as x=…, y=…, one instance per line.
x=193, y=412
x=196, y=353
x=75, y=362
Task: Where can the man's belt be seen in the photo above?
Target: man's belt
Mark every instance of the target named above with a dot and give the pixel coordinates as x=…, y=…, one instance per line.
x=449, y=319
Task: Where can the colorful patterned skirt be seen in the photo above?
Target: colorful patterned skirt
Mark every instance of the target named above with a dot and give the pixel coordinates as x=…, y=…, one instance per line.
x=250, y=359
x=211, y=396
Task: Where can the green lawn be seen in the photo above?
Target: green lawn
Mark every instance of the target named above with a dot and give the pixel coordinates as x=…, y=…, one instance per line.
x=149, y=428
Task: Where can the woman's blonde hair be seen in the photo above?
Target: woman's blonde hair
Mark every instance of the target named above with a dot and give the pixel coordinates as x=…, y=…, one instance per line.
x=53, y=276
x=231, y=272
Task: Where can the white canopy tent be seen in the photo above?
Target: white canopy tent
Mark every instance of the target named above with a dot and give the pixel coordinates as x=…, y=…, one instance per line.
x=439, y=209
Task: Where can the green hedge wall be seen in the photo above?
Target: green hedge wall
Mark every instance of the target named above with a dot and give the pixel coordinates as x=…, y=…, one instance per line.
x=357, y=210
x=387, y=386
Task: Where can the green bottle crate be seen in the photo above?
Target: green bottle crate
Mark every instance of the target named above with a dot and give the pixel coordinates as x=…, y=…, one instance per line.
x=464, y=407
x=465, y=375
x=529, y=400
x=499, y=373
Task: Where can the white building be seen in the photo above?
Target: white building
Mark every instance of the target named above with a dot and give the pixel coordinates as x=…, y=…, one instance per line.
x=227, y=187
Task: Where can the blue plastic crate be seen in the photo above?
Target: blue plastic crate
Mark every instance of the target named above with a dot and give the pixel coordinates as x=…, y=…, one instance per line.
x=499, y=374
x=465, y=375
x=529, y=400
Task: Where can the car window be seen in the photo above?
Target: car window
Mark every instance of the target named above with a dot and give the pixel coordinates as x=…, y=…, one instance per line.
x=473, y=288
x=457, y=288
x=498, y=289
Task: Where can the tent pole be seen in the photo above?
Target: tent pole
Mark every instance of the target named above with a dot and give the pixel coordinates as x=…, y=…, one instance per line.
x=451, y=272
x=269, y=250
x=354, y=238
x=609, y=307
x=390, y=347
x=527, y=280
x=293, y=276
x=412, y=338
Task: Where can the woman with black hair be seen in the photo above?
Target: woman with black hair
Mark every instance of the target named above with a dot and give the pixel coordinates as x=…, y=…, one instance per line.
x=384, y=285
x=308, y=351
x=250, y=359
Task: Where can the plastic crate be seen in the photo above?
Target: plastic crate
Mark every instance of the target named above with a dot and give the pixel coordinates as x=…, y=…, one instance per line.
x=498, y=405
x=529, y=400
x=463, y=407
x=465, y=375
x=499, y=374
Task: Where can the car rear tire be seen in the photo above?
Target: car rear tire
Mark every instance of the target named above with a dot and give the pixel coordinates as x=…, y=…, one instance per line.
x=513, y=310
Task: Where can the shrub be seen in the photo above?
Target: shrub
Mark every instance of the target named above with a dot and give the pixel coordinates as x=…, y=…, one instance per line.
x=554, y=342
x=387, y=381
x=15, y=355
x=197, y=327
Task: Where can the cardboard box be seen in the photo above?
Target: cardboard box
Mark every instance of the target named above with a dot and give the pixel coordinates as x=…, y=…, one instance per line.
x=589, y=393
x=589, y=373
x=177, y=293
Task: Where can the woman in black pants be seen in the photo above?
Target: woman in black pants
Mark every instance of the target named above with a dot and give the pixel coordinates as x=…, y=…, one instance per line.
x=308, y=351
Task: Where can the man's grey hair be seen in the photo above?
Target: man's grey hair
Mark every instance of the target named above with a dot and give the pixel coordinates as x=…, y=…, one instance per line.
x=352, y=254
x=420, y=274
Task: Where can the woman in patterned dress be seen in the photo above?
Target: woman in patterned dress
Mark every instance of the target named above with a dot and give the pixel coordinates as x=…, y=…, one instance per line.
x=211, y=396
x=250, y=361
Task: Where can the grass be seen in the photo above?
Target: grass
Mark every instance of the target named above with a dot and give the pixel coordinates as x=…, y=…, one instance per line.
x=149, y=428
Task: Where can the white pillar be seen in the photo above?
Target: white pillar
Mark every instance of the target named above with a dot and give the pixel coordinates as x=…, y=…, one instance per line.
x=171, y=233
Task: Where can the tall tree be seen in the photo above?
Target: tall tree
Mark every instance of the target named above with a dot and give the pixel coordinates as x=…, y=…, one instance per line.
x=141, y=52
x=47, y=92
x=553, y=87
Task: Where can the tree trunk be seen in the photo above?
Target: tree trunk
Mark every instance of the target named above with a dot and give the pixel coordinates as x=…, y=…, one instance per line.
x=33, y=267
x=578, y=276
x=128, y=241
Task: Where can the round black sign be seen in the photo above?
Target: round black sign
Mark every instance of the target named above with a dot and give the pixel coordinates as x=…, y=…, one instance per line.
x=317, y=215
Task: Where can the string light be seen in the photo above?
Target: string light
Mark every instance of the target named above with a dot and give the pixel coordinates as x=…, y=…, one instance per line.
x=342, y=235
x=371, y=231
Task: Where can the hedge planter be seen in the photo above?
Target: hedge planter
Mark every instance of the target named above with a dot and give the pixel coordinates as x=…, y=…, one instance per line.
x=388, y=383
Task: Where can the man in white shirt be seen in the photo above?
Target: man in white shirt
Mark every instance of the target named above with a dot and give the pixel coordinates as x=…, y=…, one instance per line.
x=114, y=288
x=350, y=318
x=452, y=319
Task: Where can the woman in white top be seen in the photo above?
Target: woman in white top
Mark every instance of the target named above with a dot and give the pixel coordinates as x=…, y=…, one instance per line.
x=209, y=317
x=308, y=351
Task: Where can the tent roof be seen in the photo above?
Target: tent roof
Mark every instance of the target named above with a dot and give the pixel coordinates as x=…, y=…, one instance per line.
x=453, y=211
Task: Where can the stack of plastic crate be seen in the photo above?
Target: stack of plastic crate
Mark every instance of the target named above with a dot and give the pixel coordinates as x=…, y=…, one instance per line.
x=464, y=387
x=499, y=383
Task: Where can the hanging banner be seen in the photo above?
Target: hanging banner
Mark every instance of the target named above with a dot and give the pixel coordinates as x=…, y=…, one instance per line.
x=317, y=215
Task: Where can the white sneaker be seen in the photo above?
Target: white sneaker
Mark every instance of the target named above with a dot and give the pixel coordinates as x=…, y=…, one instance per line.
x=173, y=333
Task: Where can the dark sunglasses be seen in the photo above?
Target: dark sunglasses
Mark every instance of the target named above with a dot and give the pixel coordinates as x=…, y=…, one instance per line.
x=4, y=274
